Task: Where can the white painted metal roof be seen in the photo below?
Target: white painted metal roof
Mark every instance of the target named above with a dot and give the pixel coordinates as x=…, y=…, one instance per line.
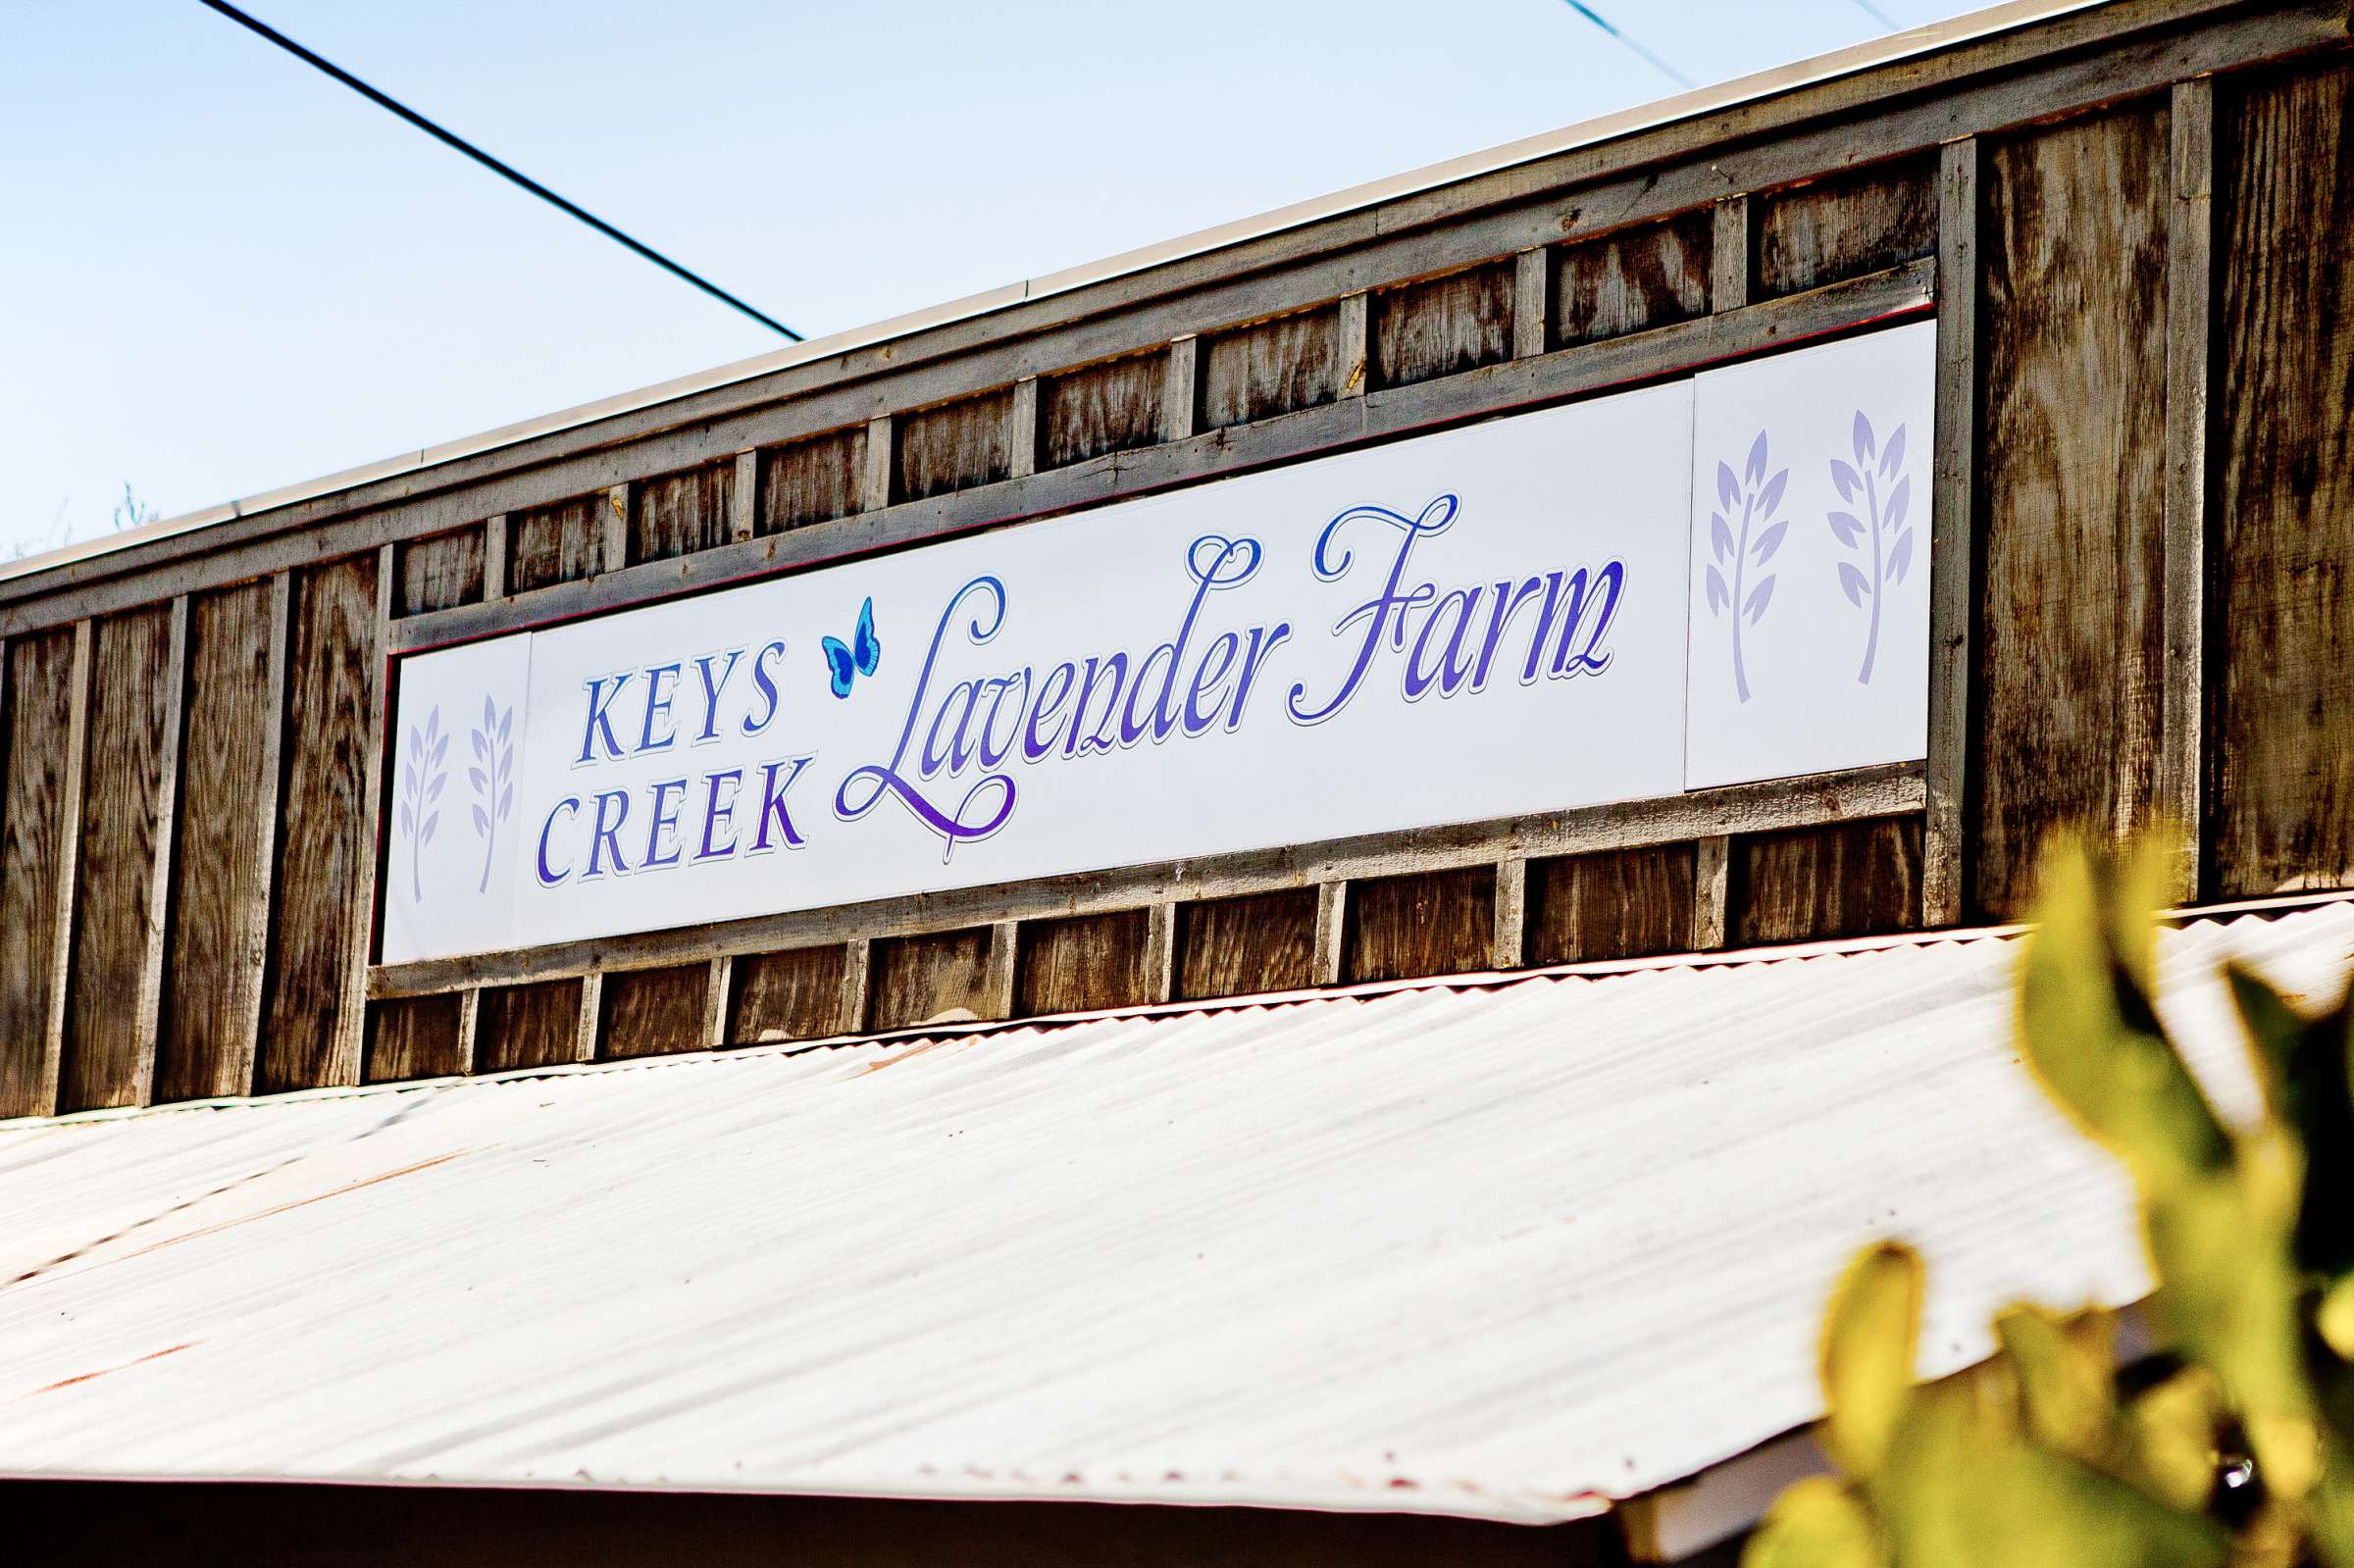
x=1504, y=1250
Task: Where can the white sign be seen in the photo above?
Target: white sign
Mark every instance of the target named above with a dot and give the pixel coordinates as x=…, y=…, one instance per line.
x=1485, y=622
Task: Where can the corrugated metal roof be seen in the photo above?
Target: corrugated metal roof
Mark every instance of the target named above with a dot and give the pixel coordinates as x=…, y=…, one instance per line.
x=1496, y=1249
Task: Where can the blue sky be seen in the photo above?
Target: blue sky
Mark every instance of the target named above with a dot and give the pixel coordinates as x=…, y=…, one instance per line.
x=228, y=273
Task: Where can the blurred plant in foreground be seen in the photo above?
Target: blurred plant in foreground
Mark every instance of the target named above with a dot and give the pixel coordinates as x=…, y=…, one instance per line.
x=2235, y=1445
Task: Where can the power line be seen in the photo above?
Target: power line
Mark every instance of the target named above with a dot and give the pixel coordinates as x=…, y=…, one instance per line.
x=503, y=170
x=1876, y=14
x=1595, y=18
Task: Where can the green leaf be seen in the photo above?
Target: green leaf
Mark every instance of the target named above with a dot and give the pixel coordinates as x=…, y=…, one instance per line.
x=2272, y=1027
x=1868, y=1343
x=2228, y=1293
x=2170, y=1438
x=2065, y=1371
x=1963, y=1489
x=2092, y=1037
x=1816, y=1524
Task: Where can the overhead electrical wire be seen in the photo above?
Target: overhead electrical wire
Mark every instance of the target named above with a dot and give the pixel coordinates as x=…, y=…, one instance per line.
x=504, y=170
x=1650, y=58
x=1876, y=14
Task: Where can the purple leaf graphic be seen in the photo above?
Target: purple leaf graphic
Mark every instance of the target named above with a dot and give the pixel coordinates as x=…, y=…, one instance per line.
x=422, y=781
x=1882, y=526
x=424, y=835
x=1756, y=498
x=1900, y=556
x=493, y=784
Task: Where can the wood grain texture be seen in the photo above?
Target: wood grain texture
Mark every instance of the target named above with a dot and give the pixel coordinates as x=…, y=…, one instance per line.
x=1842, y=880
x=1021, y=428
x=527, y=1026
x=39, y=830
x=1429, y=923
x=124, y=828
x=2189, y=372
x=326, y=847
x=1845, y=226
x=1084, y=962
x=1181, y=390
x=228, y=831
x=815, y=481
x=1625, y=904
x=653, y=1012
x=415, y=1037
x=1116, y=406
x=1273, y=367
x=1532, y=301
x=678, y=514
x=2280, y=812
x=1728, y=253
x=1954, y=550
x=956, y=446
x=1444, y=326
x=1632, y=279
x=440, y=570
x=1241, y=946
x=941, y=978
x=564, y=542
x=1713, y=891
x=2071, y=666
x=795, y=994
x=1509, y=935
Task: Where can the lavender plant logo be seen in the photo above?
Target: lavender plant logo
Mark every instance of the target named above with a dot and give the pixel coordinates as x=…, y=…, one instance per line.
x=1882, y=526
x=422, y=781
x=492, y=778
x=1755, y=498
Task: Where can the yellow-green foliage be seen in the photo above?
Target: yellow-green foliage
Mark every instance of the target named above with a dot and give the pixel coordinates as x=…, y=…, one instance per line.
x=2242, y=1453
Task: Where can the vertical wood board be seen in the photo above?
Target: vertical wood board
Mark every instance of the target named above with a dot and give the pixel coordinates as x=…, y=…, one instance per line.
x=1424, y=923
x=955, y=446
x=1845, y=226
x=678, y=514
x=1632, y=279
x=1112, y=407
x=1082, y=962
x=795, y=994
x=1272, y=367
x=440, y=571
x=1625, y=904
x=39, y=827
x=1443, y=326
x=1845, y=879
x=815, y=481
x=1241, y=946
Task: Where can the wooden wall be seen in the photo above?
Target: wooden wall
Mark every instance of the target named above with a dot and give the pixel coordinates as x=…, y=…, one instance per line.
x=2132, y=225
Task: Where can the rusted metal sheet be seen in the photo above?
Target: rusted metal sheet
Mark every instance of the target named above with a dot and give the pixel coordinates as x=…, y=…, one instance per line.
x=1496, y=1247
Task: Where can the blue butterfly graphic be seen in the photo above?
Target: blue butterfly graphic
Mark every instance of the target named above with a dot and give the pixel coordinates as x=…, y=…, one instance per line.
x=846, y=662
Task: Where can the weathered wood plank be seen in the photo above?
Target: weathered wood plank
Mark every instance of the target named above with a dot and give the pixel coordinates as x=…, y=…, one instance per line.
x=41, y=835
x=654, y=1012
x=1352, y=341
x=325, y=870
x=857, y=983
x=2189, y=286
x=1712, y=892
x=1181, y=390
x=1332, y=932
x=743, y=497
x=1241, y=946
x=131, y=766
x=1021, y=429
x=1116, y=406
x=795, y=994
x=878, y=462
x=2280, y=812
x=1532, y=302
x=587, y=1014
x=2071, y=659
x=1628, y=903
x=563, y=542
x=1847, y=226
x=1161, y=951
x=1084, y=962
x=942, y=978
x=1425, y=923
x=1841, y=881
x=528, y=1025
x=1952, y=539
x=680, y=514
x=719, y=991
x=1631, y=280
x=955, y=446
x=228, y=821
x=1273, y=367
x=1741, y=808
x=1508, y=941
x=1728, y=254
x=815, y=481
x=1444, y=326
x=496, y=535
x=1214, y=453
x=440, y=572
x=416, y=1036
